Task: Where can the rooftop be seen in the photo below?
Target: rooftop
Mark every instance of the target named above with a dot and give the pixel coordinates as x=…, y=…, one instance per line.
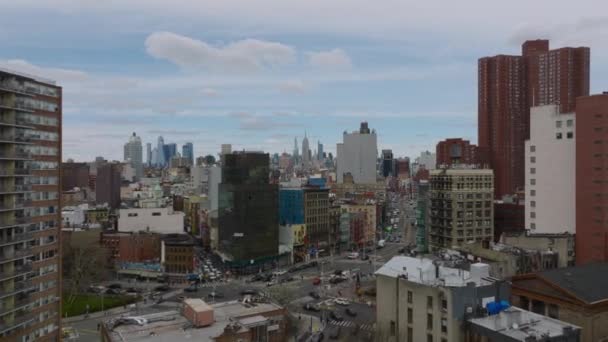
x=423, y=271
x=519, y=324
x=170, y=325
x=587, y=282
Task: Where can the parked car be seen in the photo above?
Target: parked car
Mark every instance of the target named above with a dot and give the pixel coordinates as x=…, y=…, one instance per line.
x=112, y=291
x=336, y=316
x=337, y=280
x=353, y=255
x=191, y=288
x=365, y=257
x=341, y=301
x=316, y=281
x=311, y=307
x=351, y=312
x=162, y=288
x=115, y=286
x=250, y=292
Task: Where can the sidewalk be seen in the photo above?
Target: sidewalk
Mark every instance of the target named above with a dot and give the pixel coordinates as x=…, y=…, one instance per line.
x=119, y=310
x=304, y=323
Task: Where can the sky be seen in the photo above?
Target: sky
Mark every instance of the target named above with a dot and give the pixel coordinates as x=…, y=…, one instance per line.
x=258, y=73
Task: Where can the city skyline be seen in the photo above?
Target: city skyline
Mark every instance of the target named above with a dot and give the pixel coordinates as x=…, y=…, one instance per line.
x=256, y=78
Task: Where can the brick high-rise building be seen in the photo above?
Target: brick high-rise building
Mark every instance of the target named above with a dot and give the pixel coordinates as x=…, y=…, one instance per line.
x=74, y=175
x=30, y=208
x=107, y=185
x=591, y=178
x=456, y=151
x=508, y=87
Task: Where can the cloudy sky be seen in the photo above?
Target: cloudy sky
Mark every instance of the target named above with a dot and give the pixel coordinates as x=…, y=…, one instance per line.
x=257, y=73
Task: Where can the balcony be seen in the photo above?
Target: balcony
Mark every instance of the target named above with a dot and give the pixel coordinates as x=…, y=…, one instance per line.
x=15, y=155
x=14, y=255
x=19, y=286
x=15, y=172
x=16, y=105
x=17, y=205
x=17, y=122
x=20, y=320
x=17, y=305
x=17, y=188
x=16, y=271
x=15, y=139
x=15, y=238
x=11, y=85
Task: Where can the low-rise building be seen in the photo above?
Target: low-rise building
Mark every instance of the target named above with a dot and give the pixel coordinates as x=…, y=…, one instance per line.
x=419, y=299
x=368, y=208
x=153, y=220
x=177, y=253
x=577, y=295
x=514, y=325
x=198, y=321
x=562, y=244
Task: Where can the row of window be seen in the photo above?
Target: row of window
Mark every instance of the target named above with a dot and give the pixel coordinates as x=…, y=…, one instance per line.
x=41, y=120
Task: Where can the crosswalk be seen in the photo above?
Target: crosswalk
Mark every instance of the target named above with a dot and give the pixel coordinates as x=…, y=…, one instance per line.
x=351, y=324
x=213, y=284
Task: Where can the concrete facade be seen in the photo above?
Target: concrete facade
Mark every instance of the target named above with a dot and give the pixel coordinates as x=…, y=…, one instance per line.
x=154, y=220
x=357, y=155
x=550, y=172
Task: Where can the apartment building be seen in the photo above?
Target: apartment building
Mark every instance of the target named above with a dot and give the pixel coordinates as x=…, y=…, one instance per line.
x=461, y=207
x=30, y=208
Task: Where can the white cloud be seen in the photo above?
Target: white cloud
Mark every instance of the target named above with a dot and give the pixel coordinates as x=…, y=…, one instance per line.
x=292, y=86
x=247, y=54
x=53, y=74
x=335, y=58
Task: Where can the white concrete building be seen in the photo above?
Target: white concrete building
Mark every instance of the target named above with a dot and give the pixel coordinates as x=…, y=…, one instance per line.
x=550, y=172
x=358, y=155
x=73, y=216
x=419, y=299
x=426, y=159
x=133, y=153
x=214, y=178
x=154, y=220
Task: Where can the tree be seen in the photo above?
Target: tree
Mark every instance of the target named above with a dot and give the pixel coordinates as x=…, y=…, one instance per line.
x=209, y=159
x=84, y=262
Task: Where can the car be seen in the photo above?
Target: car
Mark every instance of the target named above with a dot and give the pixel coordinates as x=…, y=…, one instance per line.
x=313, y=264
x=271, y=283
x=214, y=294
x=250, y=292
x=335, y=334
x=134, y=290
x=337, y=280
x=401, y=250
x=115, y=286
x=314, y=295
x=190, y=289
x=311, y=307
x=336, y=316
x=279, y=273
x=338, y=272
x=162, y=288
x=96, y=289
x=353, y=255
x=351, y=312
x=113, y=291
x=365, y=257
x=257, y=277
x=316, y=281
x=341, y=301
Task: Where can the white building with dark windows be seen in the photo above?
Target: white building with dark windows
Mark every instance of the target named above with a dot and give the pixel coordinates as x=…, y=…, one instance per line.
x=153, y=220
x=550, y=172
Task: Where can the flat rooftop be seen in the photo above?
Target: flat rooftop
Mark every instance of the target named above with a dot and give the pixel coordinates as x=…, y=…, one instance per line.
x=519, y=324
x=170, y=325
x=422, y=271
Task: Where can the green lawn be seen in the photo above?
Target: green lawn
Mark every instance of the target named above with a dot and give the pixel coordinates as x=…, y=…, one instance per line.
x=79, y=305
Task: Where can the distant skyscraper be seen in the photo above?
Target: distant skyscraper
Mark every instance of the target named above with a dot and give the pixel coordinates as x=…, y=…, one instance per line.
x=319, y=150
x=148, y=154
x=169, y=151
x=188, y=152
x=387, y=163
x=107, y=184
x=296, y=151
x=133, y=153
x=508, y=87
x=357, y=155
x=305, y=152
x=160, y=152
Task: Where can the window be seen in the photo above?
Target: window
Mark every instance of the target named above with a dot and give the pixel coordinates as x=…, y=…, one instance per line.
x=156, y=213
x=553, y=311
x=444, y=325
x=393, y=328
x=569, y=123
x=429, y=338
x=410, y=316
x=410, y=297
x=532, y=214
x=533, y=225
x=444, y=305
x=558, y=135
x=410, y=335
x=532, y=192
x=533, y=204
x=532, y=181
x=558, y=124
x=533, y=170
x=532, y=159
x=532, y=148
x=132, y=214
x=429, y=302
x=429, y=322
x=569, y=135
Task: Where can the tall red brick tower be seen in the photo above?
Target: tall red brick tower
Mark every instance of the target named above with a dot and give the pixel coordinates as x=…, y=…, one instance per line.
x=508, y=86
